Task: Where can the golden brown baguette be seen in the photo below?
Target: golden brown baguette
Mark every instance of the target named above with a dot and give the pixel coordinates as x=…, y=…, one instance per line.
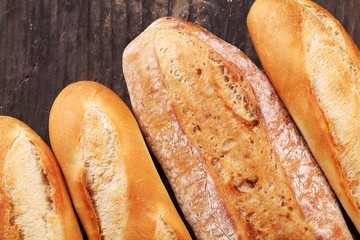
x=34, y=202
x=237, y=164
x=112, y=180
x=315, y=67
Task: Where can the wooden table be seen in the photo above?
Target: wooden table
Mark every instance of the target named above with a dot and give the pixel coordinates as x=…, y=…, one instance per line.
x=47, y=44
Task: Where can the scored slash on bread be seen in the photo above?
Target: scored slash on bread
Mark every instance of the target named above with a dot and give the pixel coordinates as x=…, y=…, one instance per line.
x=34, y=202
x=113, y=182
x=235, y=160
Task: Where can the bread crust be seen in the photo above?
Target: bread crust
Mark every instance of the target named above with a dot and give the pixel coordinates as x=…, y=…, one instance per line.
x=324, y=63
x=60, y=213
x=228, y=182
x=144, y=206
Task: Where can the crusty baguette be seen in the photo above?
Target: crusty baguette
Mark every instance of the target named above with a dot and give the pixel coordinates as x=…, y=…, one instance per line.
x=34, y=202
x=315, y=67
x=112, y=180
x=237, y=164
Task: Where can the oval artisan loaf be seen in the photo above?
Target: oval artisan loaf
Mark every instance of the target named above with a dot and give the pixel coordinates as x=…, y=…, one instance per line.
x=315, y=67
x=235, y=160
x=34, y=202
x=112, y=180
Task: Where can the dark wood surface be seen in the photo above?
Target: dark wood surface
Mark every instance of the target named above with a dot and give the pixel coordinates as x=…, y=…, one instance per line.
x=47, y=44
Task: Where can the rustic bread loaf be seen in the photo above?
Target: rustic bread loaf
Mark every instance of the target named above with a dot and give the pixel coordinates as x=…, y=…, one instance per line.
x=237, y=164
x=34, y=202
x=315, y=67
x=112, y=180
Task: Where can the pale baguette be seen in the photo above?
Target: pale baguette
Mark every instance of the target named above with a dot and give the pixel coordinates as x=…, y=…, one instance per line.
x=112, y=180
x=315, y=68
x=34, y=202
x=237, y=164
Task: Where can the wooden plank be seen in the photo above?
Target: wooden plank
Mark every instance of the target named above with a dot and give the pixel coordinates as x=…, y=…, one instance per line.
x=45, y=45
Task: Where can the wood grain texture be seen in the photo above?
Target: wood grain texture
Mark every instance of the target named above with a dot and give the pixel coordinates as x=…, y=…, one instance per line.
x=45, y=45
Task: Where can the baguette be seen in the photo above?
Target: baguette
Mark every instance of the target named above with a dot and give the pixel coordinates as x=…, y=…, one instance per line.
x=236, y=162
x=112, y=180
x=323, y=62
x=34, y=202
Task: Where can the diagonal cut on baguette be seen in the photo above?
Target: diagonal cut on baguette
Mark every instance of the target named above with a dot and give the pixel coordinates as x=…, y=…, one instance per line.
x=314, y=66
x=113, y=182
x=237, y=164
x=34, y=201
